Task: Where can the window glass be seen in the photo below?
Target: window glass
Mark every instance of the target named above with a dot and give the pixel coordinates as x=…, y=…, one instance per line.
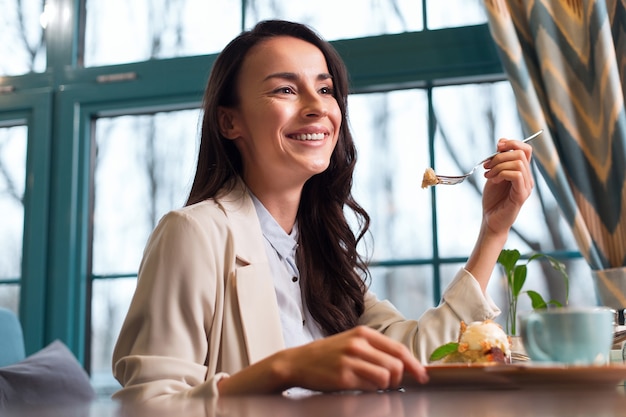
x=21, y=37
x=390, y=131
x=470, y=119
x=12, y=181
x=10, y=297
x=408, y=288
x=454, y=13
x=342, y=19
x=157, y=28
x=391, y=135
x=108, y=310
x=144, y=167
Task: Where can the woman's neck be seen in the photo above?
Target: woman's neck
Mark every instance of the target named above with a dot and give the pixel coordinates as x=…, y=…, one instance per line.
x=281, y=204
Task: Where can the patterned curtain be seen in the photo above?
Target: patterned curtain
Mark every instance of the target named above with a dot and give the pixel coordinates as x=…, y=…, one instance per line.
x=566, y=61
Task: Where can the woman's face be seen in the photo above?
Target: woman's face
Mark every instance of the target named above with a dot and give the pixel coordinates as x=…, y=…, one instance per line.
x=287, y=122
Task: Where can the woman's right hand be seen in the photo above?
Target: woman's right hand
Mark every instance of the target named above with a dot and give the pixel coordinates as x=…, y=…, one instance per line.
x=357, y=359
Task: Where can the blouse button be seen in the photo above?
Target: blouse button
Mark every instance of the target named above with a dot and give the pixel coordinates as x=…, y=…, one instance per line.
x=294, y=279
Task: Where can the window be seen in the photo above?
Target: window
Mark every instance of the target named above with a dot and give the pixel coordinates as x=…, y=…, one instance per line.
x=454, y=13
x=12, y=182
x=99, y=130
x=143, y=168
x=22, y=37
x=158, y=28
x=165, y=28
x=348, y=19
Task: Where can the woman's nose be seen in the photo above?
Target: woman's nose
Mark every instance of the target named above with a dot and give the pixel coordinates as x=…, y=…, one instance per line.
x=314, y=106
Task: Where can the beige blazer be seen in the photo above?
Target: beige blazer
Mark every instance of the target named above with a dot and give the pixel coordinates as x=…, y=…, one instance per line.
x=205, y=305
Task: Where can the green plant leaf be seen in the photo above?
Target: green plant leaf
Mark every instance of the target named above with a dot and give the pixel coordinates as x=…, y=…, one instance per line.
x=519, y=277
x=555, y=303
x=558, y=266
x=537, y=300
x=539, y=303
x=516, y=278
x=508, y=258
x=443, y=351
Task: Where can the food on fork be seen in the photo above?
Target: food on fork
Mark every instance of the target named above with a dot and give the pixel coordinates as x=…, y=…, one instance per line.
x=430, y=178
x=479, y=342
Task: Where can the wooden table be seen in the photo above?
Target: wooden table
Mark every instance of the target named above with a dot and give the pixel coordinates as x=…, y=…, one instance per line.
x=414, y=402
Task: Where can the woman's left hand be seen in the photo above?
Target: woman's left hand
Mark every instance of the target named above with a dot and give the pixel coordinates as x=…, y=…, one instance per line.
x=509, y=184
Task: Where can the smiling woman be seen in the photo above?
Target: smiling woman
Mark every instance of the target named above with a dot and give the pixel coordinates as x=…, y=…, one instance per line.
x=126, y=142
x=256, y=286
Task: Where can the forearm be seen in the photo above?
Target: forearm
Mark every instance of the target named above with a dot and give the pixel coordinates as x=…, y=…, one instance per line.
x=509, y=184
x=485, y=255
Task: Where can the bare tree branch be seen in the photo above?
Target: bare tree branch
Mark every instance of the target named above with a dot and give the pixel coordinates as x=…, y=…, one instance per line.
x=398, y=13
x=11, y=187
x=23, y=34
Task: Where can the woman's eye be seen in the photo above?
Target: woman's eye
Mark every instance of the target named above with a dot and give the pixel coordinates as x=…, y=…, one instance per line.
x=285, y=90
x=326, y=90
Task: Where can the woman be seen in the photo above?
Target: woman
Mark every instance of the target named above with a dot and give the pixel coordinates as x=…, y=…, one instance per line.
x=256, y=285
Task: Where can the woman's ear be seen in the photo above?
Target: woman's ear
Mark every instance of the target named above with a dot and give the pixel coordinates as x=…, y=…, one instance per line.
x=226, y=118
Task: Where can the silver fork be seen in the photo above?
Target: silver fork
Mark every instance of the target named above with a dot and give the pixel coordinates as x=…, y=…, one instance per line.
x=457, y=179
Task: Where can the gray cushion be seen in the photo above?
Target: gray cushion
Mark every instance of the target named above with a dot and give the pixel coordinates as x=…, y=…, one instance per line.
x=50, y=376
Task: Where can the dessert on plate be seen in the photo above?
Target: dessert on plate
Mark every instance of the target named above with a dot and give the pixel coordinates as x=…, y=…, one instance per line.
x=478, y=342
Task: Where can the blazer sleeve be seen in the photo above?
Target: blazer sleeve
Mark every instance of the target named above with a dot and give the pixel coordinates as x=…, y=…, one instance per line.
x=163, y=345
x=463, y=300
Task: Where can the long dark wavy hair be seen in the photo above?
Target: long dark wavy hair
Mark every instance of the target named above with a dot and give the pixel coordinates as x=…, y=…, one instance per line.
x=334, y=274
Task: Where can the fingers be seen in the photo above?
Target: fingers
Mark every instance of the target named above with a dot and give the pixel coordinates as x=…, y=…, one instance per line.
x=512, y=164
x=516, y=171
x=510, y=150
x=366, y=374
x=360, y=358
x=400, y=352
x=392, y=355
x=509, y=145
x=385, y=360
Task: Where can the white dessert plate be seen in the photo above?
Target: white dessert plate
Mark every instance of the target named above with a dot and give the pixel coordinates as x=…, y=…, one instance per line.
x=465, y=376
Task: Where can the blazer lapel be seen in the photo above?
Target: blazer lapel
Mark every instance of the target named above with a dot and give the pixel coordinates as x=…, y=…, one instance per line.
x=253, y=282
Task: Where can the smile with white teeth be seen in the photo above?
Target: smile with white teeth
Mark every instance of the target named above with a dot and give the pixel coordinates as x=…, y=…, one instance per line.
x=308, y=136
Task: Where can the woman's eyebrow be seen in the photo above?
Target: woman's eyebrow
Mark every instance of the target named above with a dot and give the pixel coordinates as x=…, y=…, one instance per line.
x=293, y=76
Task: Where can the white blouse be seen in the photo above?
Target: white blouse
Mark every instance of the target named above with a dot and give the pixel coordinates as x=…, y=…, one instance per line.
x=298, y=325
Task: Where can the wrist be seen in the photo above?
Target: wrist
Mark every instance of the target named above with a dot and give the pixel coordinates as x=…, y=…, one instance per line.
x=485, y=254
x=281, y=371
x=491, y=237
x=271, y=375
